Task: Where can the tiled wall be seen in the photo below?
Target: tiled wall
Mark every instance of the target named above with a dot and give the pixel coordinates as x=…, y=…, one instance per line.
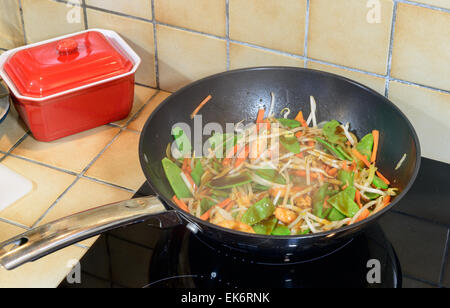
x=400, y=48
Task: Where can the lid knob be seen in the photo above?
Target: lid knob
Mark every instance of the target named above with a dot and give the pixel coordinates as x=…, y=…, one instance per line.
x=67, y=46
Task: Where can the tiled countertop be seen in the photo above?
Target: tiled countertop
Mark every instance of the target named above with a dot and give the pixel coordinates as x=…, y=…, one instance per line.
x=93, y=168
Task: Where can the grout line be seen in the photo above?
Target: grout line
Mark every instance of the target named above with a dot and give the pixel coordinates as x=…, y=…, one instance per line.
x=86, y=24
x=155, y=42
x=81, y=246
x=16, y=224
x=43, y=164
x=391, y=47
x=305, y=50
x=118, y=13
x=23, y=22
x=305, y=57
x=145, y=86
x=137, y=113
x=444, y=259
x=108, y=183
x=427, y=6
x=227, y=29
x=38, y=221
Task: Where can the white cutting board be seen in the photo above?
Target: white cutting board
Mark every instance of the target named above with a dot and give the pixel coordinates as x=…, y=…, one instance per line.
x=13, y=187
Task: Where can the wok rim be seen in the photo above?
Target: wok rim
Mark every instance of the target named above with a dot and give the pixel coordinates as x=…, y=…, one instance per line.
x=191, y=218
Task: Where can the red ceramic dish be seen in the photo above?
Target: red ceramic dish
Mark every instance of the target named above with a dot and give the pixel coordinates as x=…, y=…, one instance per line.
x=70, y=84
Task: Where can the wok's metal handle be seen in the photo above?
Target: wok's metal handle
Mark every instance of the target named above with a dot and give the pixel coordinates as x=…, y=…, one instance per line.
x=39, y=242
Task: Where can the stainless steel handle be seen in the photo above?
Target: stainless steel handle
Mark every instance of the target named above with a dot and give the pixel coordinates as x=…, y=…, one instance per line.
x=39, y=242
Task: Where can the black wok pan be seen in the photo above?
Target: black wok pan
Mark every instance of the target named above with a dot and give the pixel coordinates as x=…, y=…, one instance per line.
x=238, y=95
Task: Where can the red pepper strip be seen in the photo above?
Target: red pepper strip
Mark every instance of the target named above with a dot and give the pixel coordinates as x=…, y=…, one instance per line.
x=180, y=204
x=222, y=204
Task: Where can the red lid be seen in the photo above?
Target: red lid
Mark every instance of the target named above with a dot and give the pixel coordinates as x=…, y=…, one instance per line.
x=63, y=65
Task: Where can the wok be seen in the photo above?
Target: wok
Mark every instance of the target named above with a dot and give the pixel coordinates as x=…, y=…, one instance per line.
x=238, y=95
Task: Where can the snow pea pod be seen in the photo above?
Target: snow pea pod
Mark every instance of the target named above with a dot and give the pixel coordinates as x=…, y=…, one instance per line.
x=289, y=123
x=331, y=148
x=228, y=182
x=266, y=226
x=344, y=202
x=329, y=130
x=176, y=182
x=290, y=143
x=346, y=177
x=365, y=145
x=197, y=173
x=379, y=183
x=281, y=230
x=259, y=211
x=271, y=175
x=182, y=141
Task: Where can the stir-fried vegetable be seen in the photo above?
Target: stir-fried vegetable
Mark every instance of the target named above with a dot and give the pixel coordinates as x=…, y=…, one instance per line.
x=280, y=176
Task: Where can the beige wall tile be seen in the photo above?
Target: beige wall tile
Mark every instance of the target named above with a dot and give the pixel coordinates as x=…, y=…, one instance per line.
x=85, y=195
x=376, y=83
x=139, y=34
x=11, y=30
x=48, y=185
x=139, y=8
x=429, y=112
x=8, y=231
x=421, y=52
x=340, y=33
x=244, y=56
x=139, y=122
x=184, y=57
x=72, y=153
x=45, y=19
x=439, y=3
x=11, y=130
x=141, y=97
x=270, y=23
x=207, y=16
x=120, y=163
x=47, y=272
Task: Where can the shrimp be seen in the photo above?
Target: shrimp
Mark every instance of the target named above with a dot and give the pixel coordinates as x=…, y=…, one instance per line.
x=286, y=216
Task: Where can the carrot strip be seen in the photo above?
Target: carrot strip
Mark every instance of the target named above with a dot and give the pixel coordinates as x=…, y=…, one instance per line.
x=300, y=119
x=344, y=187
x=259, y=119
x=207, y=99
x=302, y=173
x=383, y=178
x=180, y=204
x=240, y=160
x=222, y=204
x=361, y=157
x=298, y=134
x=226, y=161
x=376, y=139
x=229, y=206
x=299, y=155
x=358, y=199
x=363, y=215
x=275, y=190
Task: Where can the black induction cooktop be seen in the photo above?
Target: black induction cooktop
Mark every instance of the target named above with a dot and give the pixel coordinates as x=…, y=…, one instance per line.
x=408, y=247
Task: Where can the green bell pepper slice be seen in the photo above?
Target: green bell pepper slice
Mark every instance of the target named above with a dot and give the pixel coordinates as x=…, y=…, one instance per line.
x=259, y=211
x=365, y=146
x=266, y=226
x=176, y=182
x=344, y=202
